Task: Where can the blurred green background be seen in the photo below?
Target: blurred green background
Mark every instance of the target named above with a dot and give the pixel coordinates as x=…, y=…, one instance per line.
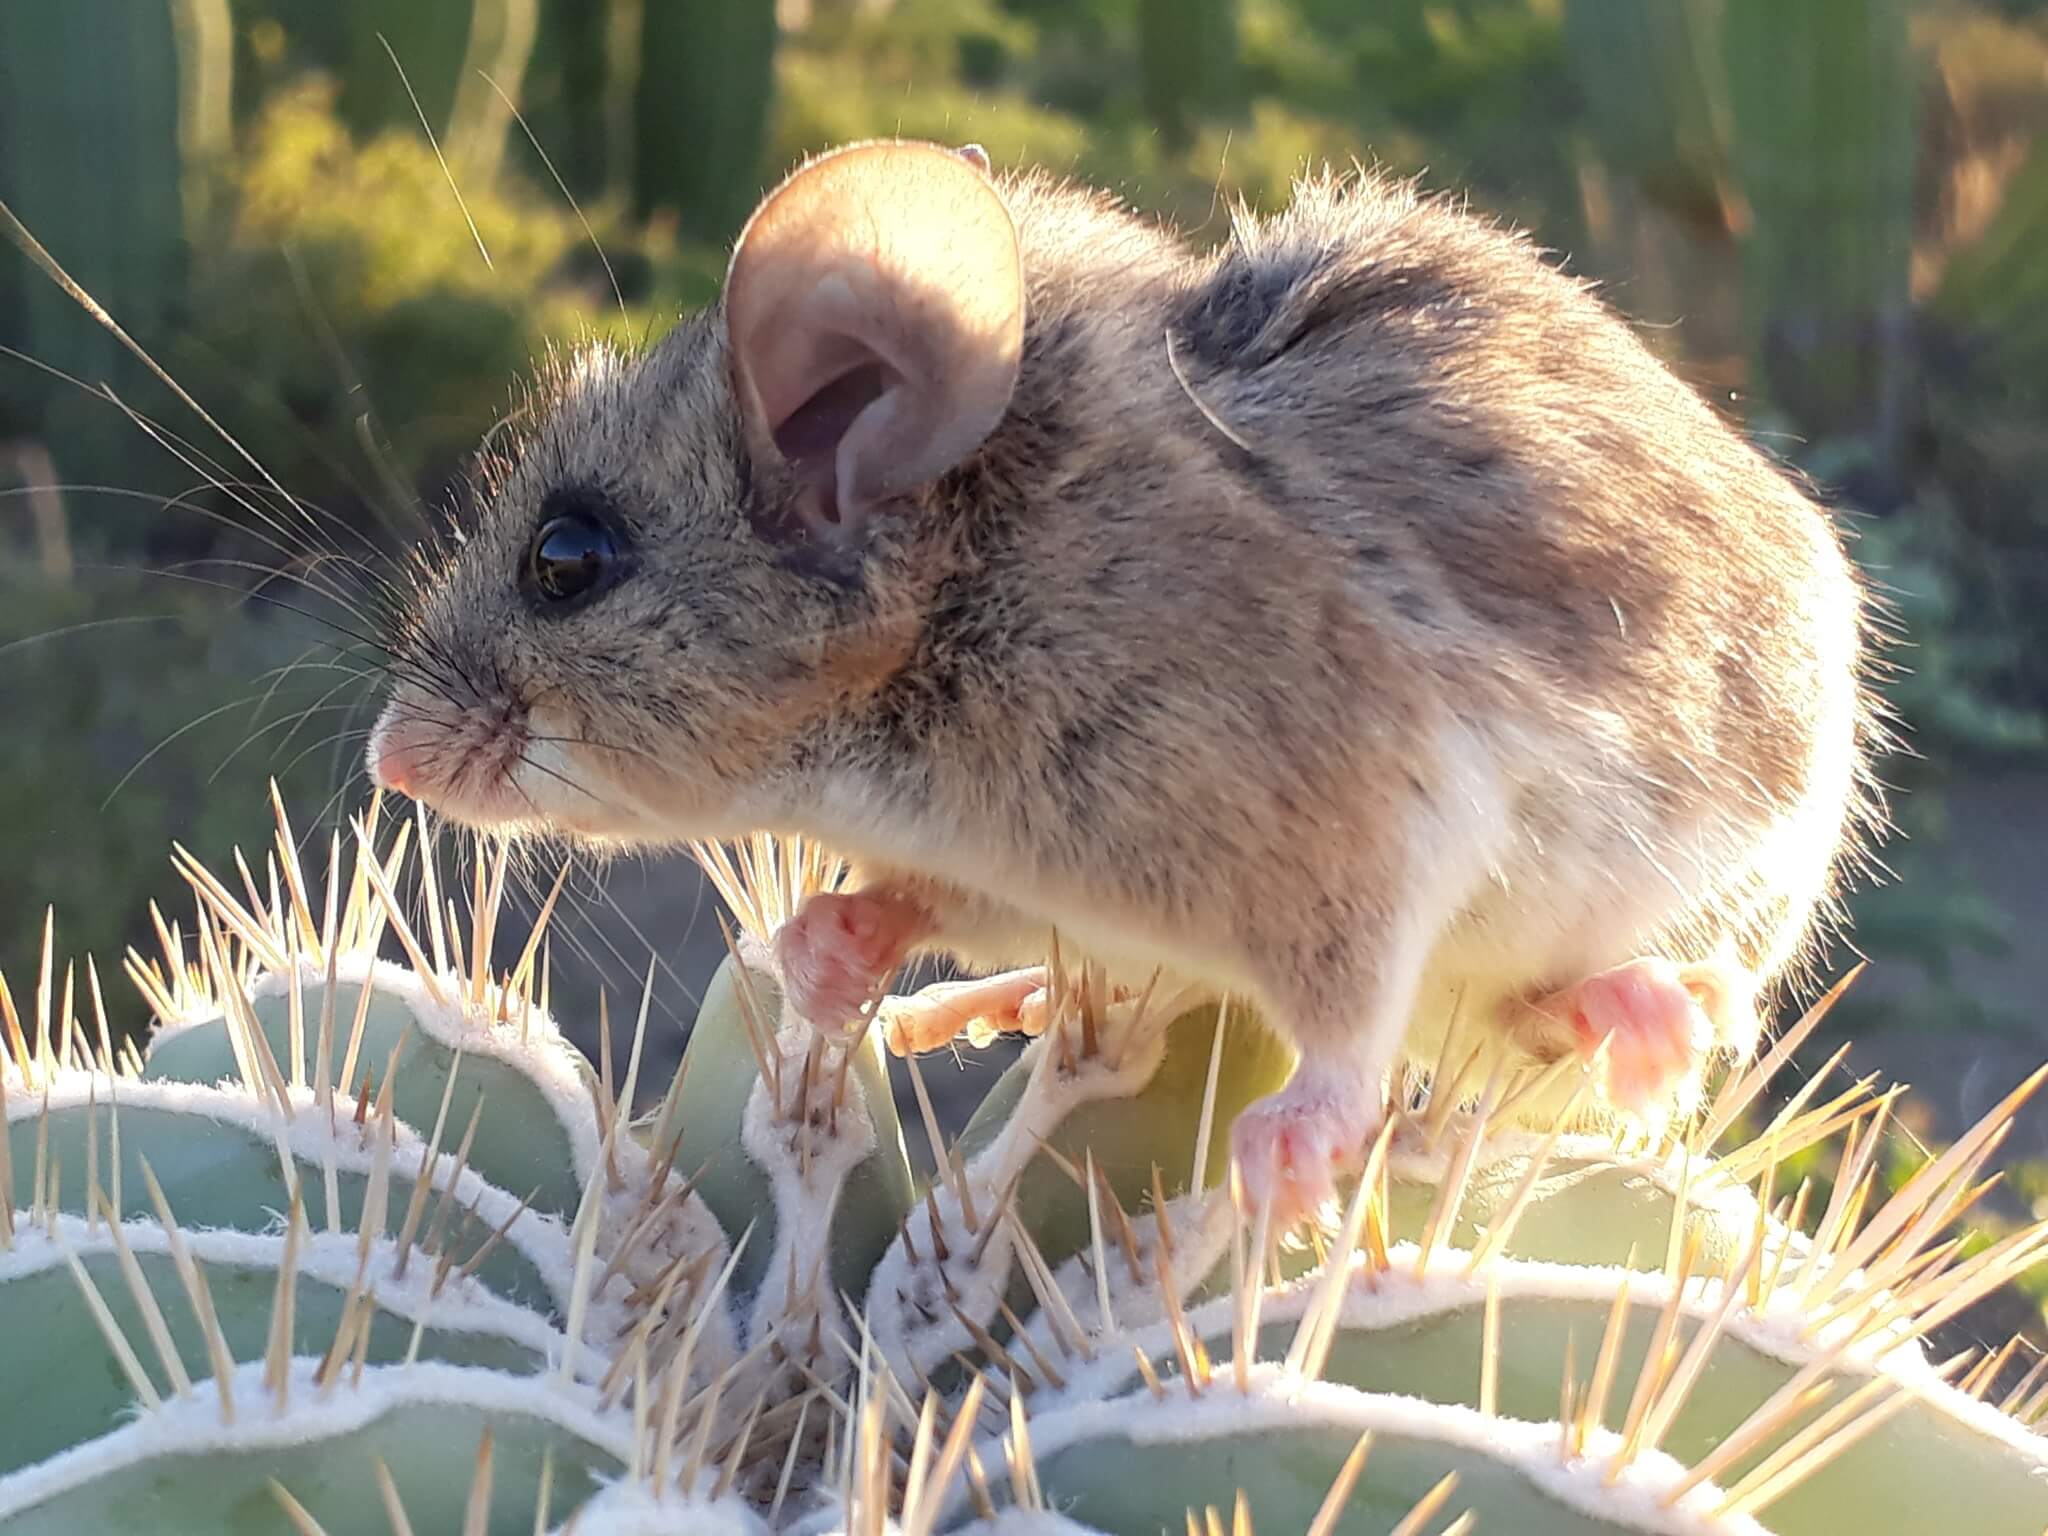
x=1831, y=215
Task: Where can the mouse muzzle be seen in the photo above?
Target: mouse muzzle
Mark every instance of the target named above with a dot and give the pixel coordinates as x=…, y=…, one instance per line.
x=461, y=763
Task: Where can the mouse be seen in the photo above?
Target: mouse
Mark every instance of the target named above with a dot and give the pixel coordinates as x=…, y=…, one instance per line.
x=1353, y=616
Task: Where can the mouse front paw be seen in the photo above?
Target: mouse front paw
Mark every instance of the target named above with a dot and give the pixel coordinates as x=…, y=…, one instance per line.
x=841, y=948
x=1292, y=1146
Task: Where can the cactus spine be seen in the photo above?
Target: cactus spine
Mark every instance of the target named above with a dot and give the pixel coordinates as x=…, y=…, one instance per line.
x=354, y=1238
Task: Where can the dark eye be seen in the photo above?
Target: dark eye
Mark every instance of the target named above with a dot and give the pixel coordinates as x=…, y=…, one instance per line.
x=571, y=557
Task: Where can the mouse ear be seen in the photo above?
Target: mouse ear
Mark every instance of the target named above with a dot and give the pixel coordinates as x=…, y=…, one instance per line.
x=875, y=315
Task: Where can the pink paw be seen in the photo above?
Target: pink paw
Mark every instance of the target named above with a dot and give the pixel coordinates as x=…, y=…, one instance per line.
x=981, y=1008
x=839, y=950
x=1292, y=1145
x=1653, y=1013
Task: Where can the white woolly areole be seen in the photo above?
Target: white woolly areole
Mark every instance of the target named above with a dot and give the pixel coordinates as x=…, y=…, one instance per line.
x=1051, y=1094
x=464, y=1305
x=1376, y=1301
x=909, y=1307
x=1707, y=1189
x=917, y=1328
x=1277, y=1401
x=635, y=1509
x=347, y=1148
x=1779, y=1330
x=543, y=1057
x=1025, y=1522
x=192, y=1426
x=807, y=1158
x=1201, y=1226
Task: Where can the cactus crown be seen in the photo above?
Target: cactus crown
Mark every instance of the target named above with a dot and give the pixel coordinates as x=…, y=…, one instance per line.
x=370, y=1247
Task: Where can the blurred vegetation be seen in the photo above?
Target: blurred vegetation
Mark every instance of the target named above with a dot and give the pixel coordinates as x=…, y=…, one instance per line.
x=1831, y=215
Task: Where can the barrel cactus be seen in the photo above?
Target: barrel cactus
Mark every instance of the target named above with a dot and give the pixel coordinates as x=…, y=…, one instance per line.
x=360, y=1246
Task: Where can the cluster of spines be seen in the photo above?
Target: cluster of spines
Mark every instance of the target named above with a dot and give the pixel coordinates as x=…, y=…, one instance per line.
x=1865, y=1279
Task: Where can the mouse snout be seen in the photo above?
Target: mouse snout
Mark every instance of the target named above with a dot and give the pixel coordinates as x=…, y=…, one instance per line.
x=462, y=762
x=400, y=747
x=414, y=752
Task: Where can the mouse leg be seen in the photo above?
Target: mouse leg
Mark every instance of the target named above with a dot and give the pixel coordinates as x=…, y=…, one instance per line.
x=1659, y=1019
x=1291, y=1146
x=1347, y=1022
x=934, y=1016
x=842, y=947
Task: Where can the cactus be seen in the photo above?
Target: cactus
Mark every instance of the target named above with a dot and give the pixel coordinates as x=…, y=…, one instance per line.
x=1188, y=64
x=99, y=101
x=1648, y=75
x=1824, y=112
x=356, y=1246
x=705, y=80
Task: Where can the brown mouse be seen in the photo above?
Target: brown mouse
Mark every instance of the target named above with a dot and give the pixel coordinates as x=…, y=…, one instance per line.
x=1358, y=617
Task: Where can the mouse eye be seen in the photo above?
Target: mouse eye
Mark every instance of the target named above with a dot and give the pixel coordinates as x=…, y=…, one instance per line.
x=571, y=557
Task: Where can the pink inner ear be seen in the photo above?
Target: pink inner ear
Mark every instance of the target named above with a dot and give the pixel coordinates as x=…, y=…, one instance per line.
x=809, y=436
x=874, y=310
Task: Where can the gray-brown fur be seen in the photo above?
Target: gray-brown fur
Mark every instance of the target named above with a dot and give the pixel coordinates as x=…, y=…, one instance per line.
x=1358, y=614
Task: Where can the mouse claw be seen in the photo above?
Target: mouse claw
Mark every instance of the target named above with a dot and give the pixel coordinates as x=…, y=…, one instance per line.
x=980, y=1008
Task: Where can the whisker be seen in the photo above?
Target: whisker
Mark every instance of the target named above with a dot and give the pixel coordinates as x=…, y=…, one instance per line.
x=401, y=494
x=628, y=975
x=84, y=625
x=189, y=726
x=332, y=739
x=596, y=745
x=296, y=721
x=258, y=397
x=164, y=438
x=394, y=666
x=332, y=803
x=276, y=677
x=185, y=502
x=190, y=461
x=31, y=247
x=625, y=320
x=427, y=128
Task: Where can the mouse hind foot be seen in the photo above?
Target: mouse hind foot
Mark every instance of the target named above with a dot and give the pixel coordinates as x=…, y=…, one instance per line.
x=1659, y=1019
x=978, y=1008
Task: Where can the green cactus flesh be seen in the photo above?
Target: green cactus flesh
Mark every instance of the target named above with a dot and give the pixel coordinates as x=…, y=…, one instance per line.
x=359, y=1285
x=222, y=1483
x=1117, y=1484
x=521, y=1144
x=76, y=1402
x=219, y=1173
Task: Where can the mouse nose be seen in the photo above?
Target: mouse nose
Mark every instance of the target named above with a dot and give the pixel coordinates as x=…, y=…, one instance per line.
x=398, y=747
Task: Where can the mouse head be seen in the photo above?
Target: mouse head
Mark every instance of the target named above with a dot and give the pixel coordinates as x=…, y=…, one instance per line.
x=704, y=556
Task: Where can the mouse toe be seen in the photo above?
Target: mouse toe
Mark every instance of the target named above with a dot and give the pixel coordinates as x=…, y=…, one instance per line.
x=840, y=949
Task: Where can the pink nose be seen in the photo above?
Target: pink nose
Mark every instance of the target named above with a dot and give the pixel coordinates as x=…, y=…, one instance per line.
x=399, y=749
